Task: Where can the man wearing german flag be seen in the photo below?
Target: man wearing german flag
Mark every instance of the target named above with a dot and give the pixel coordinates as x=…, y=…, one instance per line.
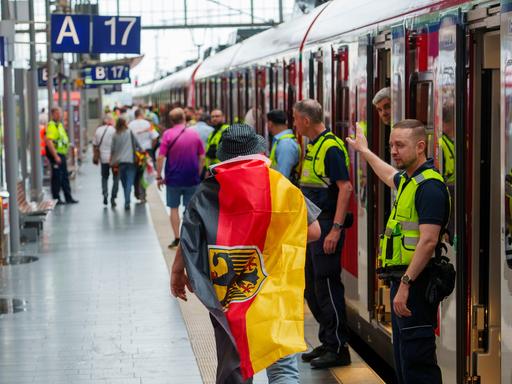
x=243, y=246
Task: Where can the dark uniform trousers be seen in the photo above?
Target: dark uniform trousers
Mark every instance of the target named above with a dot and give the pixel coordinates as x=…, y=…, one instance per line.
x=325, y=293
x=60, y=178
x=414, y=341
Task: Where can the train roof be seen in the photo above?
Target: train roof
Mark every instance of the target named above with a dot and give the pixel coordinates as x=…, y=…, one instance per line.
x=345, y=16
x=218, y=63
x=179, y=79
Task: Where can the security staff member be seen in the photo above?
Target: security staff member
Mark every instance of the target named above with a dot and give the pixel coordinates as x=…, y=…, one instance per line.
x=218, y=122
x=325, y=181
x=285, y=151
x=412, y=234
x=57, y=144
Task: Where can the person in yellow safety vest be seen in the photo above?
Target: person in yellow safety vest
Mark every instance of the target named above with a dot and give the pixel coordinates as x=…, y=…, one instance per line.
x=218, y=122
x=448, y=144
x=326, y=182
x=57, y=145
x=285, y=151
x=413, y=232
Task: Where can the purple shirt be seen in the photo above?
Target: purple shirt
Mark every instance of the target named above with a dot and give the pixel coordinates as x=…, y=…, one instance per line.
x=182, y=158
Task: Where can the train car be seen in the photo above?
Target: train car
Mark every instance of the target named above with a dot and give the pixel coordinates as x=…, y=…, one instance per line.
x=449, y=64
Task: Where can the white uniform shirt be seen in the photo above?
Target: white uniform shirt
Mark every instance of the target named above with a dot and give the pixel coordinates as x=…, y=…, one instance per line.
x=106, y=143
x=145, y=134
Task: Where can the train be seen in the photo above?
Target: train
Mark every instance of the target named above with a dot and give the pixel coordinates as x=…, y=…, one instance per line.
x=449, y=64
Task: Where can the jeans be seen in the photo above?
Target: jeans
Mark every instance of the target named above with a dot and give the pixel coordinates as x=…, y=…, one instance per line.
x=127, y=173
x=60, y=178
x=414, y=341
x=105, y=173
x=284, y=371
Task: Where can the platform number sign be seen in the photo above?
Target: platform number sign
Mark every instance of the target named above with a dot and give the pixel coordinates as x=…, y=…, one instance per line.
x=70, y=33
x=116, y=34
x=110, y=34
x=111, y=73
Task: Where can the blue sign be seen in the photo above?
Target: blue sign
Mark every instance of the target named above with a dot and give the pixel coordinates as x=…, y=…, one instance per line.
x=116, y=34
x=42, y=77
x=70, y=33
x=2, y=50
x=111, y=73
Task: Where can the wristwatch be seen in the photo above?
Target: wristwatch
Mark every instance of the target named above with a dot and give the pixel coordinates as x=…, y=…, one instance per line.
x=337, y=225
x=406, y=279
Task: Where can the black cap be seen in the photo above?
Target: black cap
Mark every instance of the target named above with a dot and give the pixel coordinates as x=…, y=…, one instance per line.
x=240, y=140
x=277, y=116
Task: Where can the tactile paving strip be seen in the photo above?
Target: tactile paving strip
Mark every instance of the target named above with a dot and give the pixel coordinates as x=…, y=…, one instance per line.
x=195, y=315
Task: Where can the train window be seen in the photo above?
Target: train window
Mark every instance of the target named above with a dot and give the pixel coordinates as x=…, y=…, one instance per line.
x=311, y=76
x=422, y=104
x=271, y=86
x=319, y=78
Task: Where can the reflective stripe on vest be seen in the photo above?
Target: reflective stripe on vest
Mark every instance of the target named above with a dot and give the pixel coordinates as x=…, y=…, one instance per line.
x=273, y=157
x=214, y=139
x=313, y=168
x=402, y=233
x=61, y=142
x=448, y=148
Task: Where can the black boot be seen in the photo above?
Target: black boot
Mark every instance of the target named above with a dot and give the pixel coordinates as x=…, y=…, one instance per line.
x=331, y=359
x=316, y=352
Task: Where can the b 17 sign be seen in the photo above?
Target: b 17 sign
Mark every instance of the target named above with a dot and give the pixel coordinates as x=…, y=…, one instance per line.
x=107, y=74
x=110, y=34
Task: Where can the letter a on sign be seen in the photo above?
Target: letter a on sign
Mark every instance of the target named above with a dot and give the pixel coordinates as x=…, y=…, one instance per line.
x=70, y=33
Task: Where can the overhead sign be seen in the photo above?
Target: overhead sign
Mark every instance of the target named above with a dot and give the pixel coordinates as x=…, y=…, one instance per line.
x=116, y=34
x=108, y=74
x=110, y=34
x=70, y=33
x=42, y=77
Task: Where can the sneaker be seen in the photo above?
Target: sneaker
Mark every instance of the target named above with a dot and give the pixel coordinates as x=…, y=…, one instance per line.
x=127, y=207
x=60, y=202
x=174, y=244
x=316, y=352
x=105, y=200
x=72, y=201
x=113, y=203
x=331, y=359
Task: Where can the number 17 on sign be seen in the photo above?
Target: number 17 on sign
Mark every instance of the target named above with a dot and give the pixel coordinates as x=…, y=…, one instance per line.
x=116, y=34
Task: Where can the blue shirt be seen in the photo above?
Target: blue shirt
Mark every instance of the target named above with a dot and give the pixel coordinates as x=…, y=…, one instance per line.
x=287, y=153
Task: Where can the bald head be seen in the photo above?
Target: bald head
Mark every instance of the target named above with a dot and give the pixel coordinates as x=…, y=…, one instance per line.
x=177, y=116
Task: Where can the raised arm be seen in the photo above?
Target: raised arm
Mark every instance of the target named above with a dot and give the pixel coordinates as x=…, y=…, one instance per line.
x=384, y=171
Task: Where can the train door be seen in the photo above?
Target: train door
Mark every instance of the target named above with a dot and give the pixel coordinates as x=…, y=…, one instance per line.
x=489, y=307
x=381, y=199
x=506, y=194
x=342, y=126
x=259, y=112
x=291, y=89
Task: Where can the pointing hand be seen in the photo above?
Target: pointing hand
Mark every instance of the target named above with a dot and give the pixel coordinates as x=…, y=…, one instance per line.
x=359, y=143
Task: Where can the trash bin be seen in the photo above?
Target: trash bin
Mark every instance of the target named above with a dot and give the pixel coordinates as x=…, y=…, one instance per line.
x=4, y=224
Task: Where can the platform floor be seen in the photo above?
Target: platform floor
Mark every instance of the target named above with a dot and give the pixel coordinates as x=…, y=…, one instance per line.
x=97, y=307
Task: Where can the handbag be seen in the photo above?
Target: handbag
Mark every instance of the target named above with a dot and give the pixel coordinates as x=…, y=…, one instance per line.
x=139, y=155
x=96, y=150
x=442, y=277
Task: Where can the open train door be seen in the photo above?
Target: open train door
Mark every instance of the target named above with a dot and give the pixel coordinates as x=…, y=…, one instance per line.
x=506, y=191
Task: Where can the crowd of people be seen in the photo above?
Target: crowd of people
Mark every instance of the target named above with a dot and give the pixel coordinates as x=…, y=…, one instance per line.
x=192, y=146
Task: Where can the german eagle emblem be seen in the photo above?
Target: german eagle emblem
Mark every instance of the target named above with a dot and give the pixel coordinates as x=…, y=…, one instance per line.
x=237, y=273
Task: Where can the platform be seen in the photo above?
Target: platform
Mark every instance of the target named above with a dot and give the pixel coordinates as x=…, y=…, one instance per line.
x=96, y=305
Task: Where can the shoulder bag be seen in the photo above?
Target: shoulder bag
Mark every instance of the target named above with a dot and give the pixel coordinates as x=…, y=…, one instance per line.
x=96, y=149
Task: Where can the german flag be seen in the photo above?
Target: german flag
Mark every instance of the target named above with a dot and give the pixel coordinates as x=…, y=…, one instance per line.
x=244, y=244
